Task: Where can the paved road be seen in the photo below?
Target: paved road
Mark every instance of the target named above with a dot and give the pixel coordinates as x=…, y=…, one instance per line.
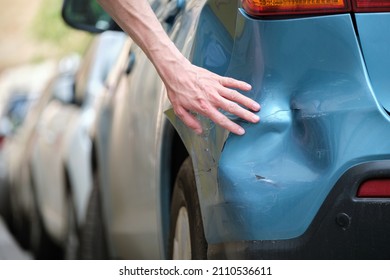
x=9, y=249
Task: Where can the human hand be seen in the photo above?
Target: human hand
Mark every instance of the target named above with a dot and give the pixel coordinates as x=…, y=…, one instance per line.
x=201, y=91
x=189, y=88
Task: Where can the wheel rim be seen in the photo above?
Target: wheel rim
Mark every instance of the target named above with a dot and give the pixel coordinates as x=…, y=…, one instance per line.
x=182, y=238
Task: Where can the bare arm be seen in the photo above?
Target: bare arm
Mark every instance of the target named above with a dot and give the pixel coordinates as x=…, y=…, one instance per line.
x=189, y=88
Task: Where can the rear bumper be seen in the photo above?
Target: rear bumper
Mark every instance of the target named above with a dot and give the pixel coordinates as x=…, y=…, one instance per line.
x=346, y=227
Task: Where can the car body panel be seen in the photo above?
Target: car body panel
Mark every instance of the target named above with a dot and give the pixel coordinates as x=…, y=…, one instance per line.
x=79, y=144
x=48, y=168
x=374, y=30
x=17, y=147
x=134, y=217
x=62, y=154
x=319, y=114
x=133, y=208
x=20, y=147
x=320, y=117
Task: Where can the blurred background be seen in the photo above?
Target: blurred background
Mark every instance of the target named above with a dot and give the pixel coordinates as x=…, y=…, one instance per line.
x=33, y=39
x=33, y=31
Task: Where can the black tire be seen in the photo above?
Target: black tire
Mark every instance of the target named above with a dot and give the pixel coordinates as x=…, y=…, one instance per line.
x=19, y=223
x=185, y=197
x=36, y=234
x=72, y=239
x=93, y=242
x=20, y=229
x=5, y=204
x=42, y=245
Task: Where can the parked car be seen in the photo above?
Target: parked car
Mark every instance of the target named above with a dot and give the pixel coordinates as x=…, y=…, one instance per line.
x=24, y=221
x=12, y=116
x=310, y=181
x=60, y=158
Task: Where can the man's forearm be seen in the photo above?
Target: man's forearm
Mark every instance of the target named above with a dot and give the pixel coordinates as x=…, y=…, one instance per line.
x=137, y=19
x=189, y=88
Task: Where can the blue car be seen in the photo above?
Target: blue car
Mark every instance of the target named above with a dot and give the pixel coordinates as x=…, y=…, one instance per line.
x=310, y=181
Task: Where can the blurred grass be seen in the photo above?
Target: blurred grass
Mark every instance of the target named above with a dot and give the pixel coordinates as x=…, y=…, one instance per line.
x=49, y=27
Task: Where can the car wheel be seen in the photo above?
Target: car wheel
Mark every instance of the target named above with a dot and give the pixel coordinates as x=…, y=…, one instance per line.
x=72, y=242
x=93, y=242
x=19, y=223
x=36, y=233
x=42, y=245
x=5, y=205
x=20, y=229
x=187, y=240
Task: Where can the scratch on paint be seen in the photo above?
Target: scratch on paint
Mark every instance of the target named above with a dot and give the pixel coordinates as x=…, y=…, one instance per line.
x=274, y=113
x=263, y=179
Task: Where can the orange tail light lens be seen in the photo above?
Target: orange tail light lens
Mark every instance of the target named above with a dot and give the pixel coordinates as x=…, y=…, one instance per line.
x=291, y=7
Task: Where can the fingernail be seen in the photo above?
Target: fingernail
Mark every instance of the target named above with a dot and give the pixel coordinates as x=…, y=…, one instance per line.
x=256, y=106
x=198, y=131
x=240, y=131
x=256, y=118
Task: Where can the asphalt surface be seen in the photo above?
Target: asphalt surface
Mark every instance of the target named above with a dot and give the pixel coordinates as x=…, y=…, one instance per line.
x=9, y=249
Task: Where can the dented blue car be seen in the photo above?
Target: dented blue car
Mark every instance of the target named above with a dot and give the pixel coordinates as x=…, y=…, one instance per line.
x=310, y=181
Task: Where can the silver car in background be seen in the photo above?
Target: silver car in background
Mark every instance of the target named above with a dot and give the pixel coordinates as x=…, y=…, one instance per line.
x=61, y=155
x=24, y=221
x=51, y=180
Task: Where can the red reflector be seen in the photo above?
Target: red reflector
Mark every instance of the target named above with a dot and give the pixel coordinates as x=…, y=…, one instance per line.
x=375, y=188
x=371, y=5
x=288, y=7
x=2, y=140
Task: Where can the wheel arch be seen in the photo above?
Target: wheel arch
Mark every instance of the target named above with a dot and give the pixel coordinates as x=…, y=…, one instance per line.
x=97, y=168
x=173, y=154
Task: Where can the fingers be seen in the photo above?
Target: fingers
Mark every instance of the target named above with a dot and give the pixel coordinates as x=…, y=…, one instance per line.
x=190, y=120
x=217, y=117
x=235, y=96
x=225, y=122
x=240, y=99
x=208, y=93
x=233, y=83
x=240, y=112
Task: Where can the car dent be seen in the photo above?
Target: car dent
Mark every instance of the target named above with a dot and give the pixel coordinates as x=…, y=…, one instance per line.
x=319, y=113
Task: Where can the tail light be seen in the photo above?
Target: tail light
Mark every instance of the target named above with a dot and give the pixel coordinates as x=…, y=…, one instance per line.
x=2, y=139
x=291, y=7
x=374, y=188
x=371, y=5
x=300, y=7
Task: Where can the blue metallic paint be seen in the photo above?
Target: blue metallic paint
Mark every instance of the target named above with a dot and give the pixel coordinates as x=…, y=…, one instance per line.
x=374, y=30
x=319, y=117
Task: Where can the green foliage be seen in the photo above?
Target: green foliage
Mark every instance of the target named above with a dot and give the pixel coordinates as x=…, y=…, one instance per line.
x=48, y=27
